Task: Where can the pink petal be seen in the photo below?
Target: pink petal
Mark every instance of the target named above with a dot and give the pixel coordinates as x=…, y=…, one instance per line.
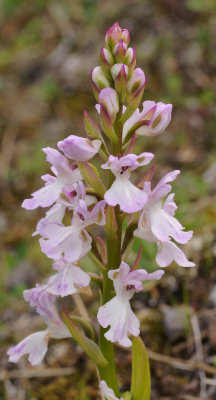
x=44, y=197
x=79, y=148
x=67, y=280
x=128, y=196
x=168, y=252
x=35, y=345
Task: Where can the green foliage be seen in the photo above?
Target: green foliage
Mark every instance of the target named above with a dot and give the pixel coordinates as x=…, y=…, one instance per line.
x=141, y=378
x=90, y=347
x=201, y=6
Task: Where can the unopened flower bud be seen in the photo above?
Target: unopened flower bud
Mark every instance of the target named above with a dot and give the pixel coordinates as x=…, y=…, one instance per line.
x=135, y=84
x=125, y=35
x=108, y=98
x=121, y=82
x=130, y=59
x=99, y=80
x=116, y=68
x=106, y=60
x=113, y=35
x=119, y=51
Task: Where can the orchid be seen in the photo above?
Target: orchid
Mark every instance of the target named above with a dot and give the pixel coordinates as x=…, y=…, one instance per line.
x=151, y=121
x=65, y=174
x=123, y=192
x=158, y=224
x=82, y=194
x=123, y=320
x=68, y=279
x=36, y=344
x=72, y=241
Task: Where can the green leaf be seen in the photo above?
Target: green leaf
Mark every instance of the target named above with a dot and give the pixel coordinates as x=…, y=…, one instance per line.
x=141, y=378
x=90, y=347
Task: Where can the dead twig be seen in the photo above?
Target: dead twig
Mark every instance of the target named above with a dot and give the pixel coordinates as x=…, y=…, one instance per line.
x=184, y=345
x=187, y=365
x=81, y=306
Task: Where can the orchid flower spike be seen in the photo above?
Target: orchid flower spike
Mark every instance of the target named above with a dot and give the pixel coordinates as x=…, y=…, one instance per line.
x=122, y=191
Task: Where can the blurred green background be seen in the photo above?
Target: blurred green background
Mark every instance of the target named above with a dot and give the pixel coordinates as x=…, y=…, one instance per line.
x=47, y=51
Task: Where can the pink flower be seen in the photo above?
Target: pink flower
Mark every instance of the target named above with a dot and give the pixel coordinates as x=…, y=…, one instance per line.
x=158, y=122
x=168, y=252
x=123, y=321
x=160, y=217
x=72, y=242
x=36, y=344
x=122, y=191
x=79, y=148
x=69, y=278
x=157, y=223
x=72, y=195
x=65, y=174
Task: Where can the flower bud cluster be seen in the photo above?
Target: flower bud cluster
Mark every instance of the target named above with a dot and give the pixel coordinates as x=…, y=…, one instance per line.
x=117, y=66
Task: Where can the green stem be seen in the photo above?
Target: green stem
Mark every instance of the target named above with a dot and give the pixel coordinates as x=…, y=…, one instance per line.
x=113, y=243
x=107, y=348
